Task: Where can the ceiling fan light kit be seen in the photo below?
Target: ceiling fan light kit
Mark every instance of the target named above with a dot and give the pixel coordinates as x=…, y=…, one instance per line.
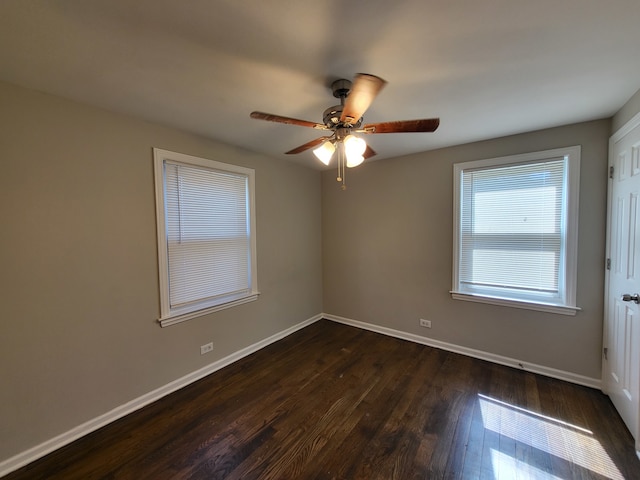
x=346, y=119
x=324, y=152
x=354, y=148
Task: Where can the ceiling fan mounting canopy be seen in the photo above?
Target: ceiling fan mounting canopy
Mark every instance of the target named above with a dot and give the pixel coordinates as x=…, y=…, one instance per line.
x=341, y=88
x=346, y=118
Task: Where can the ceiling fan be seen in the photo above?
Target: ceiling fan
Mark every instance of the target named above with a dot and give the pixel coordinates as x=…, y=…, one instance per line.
x=346, y=119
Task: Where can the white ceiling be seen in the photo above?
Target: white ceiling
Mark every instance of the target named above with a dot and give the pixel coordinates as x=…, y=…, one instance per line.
x=487, y=68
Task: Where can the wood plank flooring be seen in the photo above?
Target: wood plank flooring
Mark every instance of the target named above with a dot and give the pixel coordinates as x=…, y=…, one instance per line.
x=335, y=402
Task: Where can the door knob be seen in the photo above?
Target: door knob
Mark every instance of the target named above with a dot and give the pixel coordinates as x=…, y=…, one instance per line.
x=631, y=298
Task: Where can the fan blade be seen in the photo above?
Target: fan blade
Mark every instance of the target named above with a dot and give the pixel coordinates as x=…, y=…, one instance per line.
x=403, y=126
x=369, y=152
x=364, y=90
x=270, y=117
x=307, y=145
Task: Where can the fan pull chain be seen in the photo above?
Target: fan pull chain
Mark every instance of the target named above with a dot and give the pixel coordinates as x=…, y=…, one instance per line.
x=341, y=167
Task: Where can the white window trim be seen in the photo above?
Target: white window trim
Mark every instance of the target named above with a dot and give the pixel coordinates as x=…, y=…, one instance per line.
x=169, y=316
x=572, y=157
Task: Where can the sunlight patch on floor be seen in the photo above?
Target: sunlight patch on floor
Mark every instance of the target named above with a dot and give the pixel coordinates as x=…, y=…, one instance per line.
x=507, y=467
x=569, y=442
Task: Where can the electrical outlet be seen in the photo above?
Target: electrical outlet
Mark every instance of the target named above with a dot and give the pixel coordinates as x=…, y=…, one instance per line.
x=425, y=323
x=206, y=348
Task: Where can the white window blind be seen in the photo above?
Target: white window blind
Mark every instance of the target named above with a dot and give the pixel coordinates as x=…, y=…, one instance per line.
x=208, y=239
x=208, y=234
x=515, y=238
x=511, y=227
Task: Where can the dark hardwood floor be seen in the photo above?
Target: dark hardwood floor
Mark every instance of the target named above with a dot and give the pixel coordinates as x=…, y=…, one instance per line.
x=335, y=402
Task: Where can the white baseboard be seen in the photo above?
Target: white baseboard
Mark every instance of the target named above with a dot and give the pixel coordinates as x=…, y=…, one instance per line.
x=470, y=352
x=39, y=451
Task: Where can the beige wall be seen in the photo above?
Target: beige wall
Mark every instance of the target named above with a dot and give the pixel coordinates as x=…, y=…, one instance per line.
x=78, y=335
x=626, y=113
x=387, y=253
x=79, y=276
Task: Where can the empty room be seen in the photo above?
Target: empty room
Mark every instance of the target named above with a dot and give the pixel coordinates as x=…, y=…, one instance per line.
x=319, y=240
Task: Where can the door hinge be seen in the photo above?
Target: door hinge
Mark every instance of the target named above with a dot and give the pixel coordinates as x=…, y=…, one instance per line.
x=605, y=351
x=608, y=264
x=611, y=169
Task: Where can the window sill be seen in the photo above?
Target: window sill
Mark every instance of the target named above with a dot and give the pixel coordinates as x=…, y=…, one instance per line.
x=540, y=307
x=173, y=319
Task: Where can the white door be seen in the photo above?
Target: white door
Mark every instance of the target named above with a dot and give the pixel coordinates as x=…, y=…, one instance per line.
x=621, y=364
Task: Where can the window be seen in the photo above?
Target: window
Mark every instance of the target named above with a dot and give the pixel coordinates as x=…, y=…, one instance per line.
x=206, y=235
x=515, y=230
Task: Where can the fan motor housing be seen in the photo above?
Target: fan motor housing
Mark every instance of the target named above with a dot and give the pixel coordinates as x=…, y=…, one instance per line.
x=331, y=118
